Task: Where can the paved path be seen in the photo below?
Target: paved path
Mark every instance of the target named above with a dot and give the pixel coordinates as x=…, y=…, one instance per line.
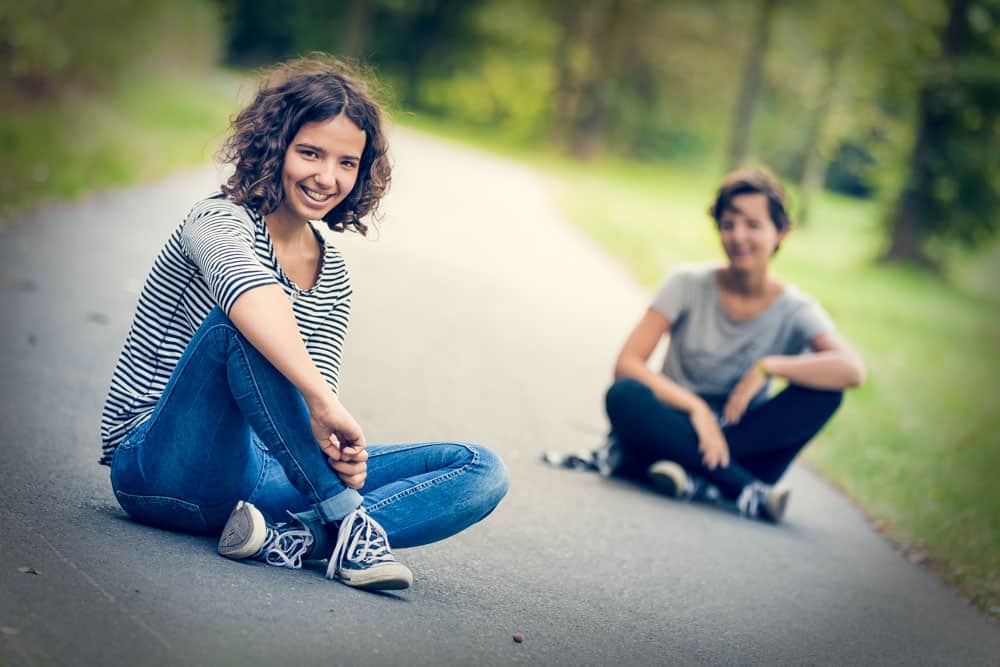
x=480, y=315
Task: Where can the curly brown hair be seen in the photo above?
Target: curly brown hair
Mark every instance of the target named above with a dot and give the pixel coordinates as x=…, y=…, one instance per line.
x=291, y=94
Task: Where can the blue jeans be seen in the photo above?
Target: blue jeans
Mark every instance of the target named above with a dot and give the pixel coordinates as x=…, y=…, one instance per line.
x=230, y=427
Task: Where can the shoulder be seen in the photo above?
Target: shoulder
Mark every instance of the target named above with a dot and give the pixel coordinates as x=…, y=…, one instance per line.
x=806, y=310
x=218, y=208
x=690, y=275
x=797, y=299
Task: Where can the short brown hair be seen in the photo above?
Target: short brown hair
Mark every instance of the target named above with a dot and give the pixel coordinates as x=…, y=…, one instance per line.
x=752, y=181
x=292, y=94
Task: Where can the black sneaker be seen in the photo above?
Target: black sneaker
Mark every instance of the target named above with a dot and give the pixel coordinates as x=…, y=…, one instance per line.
x=362, y=558
x=248, y=535
x=760, y=501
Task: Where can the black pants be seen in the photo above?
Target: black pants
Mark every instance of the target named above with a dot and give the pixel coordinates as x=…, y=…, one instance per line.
x=761, y=446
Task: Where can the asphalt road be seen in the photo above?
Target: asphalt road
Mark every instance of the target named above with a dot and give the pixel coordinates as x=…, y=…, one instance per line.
x=479, y=315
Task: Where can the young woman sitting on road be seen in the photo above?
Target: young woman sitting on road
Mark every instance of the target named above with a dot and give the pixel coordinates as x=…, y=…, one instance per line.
x=223, y=415
x=707, y=424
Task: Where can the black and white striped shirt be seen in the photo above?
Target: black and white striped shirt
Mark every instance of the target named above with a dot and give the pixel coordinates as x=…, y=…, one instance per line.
x=219, y=252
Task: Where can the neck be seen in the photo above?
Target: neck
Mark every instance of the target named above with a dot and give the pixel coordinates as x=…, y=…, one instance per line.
x=746, y=283
x=285, y=229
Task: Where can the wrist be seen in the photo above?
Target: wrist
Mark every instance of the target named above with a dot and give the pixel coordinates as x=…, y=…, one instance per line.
x=763, y=369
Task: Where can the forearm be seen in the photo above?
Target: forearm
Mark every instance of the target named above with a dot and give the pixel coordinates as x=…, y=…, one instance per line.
x=264, y=316
x=665, y=389
x=832, y=369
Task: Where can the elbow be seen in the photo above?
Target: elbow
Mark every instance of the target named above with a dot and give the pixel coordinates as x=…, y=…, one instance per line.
x=623, y=368
x=857, y=374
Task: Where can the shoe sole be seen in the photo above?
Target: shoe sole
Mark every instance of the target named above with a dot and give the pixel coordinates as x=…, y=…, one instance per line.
x=385, y=577
x=668, y=477
x=244, y=533
x=777, y=503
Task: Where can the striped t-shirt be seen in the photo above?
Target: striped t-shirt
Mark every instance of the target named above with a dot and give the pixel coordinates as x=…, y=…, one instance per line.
x=219, y=252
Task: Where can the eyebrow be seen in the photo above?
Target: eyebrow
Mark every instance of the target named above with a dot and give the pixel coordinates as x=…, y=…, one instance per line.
x=736, y=209
x=318, y=149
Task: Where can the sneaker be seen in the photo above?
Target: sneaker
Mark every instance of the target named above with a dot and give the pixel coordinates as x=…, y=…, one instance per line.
x=608, y=457
x=248, y=535
x=362, y=558
x=760, y=501
x=671, y=479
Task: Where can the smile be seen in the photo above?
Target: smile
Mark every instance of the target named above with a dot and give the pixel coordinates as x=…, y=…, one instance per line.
x=317, y=197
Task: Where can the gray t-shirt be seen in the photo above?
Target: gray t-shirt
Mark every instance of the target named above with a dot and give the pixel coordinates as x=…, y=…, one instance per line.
x=709, y=351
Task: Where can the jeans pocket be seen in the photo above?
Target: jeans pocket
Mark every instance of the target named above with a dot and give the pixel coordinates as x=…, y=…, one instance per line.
x=163, y=512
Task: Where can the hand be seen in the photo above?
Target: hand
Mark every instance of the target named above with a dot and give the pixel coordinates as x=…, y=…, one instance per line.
x=341, y=439
x=748, y=386
x=711, y=442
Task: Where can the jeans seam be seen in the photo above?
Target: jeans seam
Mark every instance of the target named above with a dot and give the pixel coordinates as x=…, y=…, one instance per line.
x=427, y=483
x=165, y=396
x=270, y=420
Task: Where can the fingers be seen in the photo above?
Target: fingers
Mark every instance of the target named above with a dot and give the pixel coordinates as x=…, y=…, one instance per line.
x=351, y=473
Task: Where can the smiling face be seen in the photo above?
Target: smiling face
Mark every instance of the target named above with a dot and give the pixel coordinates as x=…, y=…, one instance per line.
x=748, y=234
x=320, y=168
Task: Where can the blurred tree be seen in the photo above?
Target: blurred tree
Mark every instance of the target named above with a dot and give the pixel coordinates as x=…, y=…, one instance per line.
x=750, y=84
x=51, y=47
x=951, y=189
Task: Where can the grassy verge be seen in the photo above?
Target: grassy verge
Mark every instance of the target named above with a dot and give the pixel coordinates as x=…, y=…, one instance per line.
x=917, y=445
x=142, y=129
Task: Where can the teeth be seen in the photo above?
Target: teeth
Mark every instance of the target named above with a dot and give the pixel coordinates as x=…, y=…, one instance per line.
x=315, y=196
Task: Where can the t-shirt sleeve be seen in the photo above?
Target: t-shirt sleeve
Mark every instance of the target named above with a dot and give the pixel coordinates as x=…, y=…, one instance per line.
x=673, y=297
x=219, y=237
x=812, y=321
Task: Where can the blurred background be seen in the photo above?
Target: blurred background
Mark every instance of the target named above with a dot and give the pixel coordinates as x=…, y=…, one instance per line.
x=880, y=116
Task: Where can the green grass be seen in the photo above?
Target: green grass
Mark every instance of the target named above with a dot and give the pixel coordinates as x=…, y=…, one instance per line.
x=916, y=446
x=142, y=129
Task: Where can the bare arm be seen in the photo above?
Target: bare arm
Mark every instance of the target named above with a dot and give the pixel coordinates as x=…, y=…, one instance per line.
x=265, y=317
x=634, y=357
x=833, y=365
x=633, y=363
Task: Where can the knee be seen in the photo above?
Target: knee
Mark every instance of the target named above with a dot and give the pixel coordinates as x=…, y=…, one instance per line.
x=824, y=401
x=493, y=474
x=621, y=393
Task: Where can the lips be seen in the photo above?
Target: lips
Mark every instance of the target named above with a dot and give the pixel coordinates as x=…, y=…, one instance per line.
x=315, y=199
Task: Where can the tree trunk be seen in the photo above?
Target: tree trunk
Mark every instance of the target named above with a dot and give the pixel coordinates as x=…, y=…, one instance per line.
x=739, y=140
x=572, y=30
x=358, y=23
x=908, y=224
x=816, y=157
x=592, y=110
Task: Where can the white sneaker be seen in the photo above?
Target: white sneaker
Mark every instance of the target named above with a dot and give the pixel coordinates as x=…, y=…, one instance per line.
x=760, y=501
x=248, y=535
x=671, y=479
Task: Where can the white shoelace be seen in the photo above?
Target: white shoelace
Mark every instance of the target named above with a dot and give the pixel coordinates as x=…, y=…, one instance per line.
x=285, y=547
x=359, y=540
x=750, y=499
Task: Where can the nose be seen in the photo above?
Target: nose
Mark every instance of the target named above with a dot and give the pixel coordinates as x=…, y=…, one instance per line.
x=326, y=175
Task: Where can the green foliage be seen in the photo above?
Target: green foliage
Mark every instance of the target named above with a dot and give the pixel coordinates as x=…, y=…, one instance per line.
x=51, y=47
x=954, y=176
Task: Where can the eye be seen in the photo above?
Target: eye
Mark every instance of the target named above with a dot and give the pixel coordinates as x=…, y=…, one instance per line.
x=349, y=164
x=308, y=153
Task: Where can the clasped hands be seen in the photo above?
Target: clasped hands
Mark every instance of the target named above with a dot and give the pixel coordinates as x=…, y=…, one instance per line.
x=341, y=439
x=711, y=441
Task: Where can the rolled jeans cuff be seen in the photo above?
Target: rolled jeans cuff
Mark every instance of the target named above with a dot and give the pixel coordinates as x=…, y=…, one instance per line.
x=336, y=507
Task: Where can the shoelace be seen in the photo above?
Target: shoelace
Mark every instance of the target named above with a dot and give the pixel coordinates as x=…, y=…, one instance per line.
x=360, y=540
x=285, y=546
x=750, y=499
